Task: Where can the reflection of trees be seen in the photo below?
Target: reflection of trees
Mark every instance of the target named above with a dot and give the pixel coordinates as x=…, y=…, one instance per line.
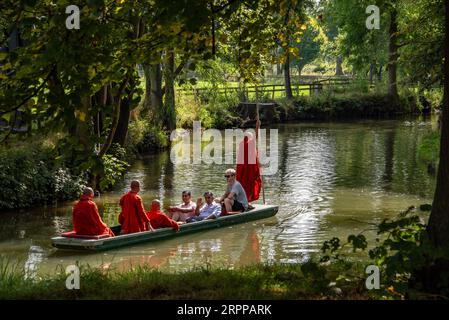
x=410, y=175
x=283, y=154
x=354, y=157
x=169, y=173
x=360, y=154
x=390, y=137
x=153, y=171
x=61, y=224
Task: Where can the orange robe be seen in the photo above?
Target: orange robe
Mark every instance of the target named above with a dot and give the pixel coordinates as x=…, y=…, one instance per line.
x=160, y=220
x=87, y=220
x=133, y=217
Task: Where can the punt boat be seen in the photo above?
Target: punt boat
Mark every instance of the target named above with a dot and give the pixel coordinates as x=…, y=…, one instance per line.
x=106, y=243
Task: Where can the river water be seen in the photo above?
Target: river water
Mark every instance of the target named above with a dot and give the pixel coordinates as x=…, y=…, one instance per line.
x=334, y=179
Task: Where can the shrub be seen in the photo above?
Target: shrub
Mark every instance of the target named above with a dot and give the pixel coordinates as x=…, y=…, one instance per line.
x=143, y=138
x=327, y=105
x=214, y=110
x=30, y=176
x=114, y=169
x=66, y=185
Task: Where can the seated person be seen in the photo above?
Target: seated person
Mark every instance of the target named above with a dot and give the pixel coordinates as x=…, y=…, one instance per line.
x=158, y=219
x=185, y=210
x=86, y=219
x=133, y=218
x=210, y=210
x=234, y=199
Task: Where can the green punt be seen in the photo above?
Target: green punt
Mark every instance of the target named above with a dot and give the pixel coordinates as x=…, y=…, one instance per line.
x=259, y=212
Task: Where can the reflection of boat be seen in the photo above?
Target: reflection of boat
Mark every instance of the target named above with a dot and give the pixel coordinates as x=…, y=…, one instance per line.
x=259, y=212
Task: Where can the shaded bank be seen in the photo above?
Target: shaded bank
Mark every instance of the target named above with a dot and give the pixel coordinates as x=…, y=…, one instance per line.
x=354, y=106
x=306, y=281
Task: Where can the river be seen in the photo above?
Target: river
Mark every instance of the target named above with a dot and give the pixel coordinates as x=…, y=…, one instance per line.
x=334, y=179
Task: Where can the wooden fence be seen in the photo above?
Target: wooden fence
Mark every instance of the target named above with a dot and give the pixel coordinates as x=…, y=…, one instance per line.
x=268, y=91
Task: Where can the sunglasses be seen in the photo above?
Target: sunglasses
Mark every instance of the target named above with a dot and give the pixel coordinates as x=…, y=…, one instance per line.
x=227, y=176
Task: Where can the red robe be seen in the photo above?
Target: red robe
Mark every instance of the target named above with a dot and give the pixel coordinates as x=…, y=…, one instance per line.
x=87, y=220
x=133, y=217
x=160, y=220
x=248, y=169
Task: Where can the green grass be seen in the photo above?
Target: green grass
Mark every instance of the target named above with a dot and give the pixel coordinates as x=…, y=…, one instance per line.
x=251, y=282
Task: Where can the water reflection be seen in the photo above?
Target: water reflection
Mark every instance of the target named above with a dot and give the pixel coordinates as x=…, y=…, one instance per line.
x=35, y=257
x=333, y=179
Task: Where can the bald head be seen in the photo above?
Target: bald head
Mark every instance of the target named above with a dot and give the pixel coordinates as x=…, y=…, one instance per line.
x=88, y=191
x=135, y=185
x=250, y=135
x=155, y=205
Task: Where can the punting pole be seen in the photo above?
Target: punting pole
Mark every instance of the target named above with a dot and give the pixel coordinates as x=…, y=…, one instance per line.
x=257, y=138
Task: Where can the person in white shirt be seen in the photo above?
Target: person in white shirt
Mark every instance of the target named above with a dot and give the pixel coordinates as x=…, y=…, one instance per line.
x=210, y=210
x=185, y=210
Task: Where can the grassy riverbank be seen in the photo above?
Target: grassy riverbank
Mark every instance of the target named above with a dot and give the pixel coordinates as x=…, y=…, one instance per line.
x=306, y=281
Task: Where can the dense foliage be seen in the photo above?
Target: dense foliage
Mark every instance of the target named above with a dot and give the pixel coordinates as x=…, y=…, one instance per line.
x=33, y=176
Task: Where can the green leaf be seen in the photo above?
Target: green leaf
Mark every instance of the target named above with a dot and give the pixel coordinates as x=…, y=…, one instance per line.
x=425, y=207
x=192, y=66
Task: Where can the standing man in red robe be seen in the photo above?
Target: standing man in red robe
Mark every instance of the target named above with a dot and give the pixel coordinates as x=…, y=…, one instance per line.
x=133, y=217
x=248, y=166
x=86, y=219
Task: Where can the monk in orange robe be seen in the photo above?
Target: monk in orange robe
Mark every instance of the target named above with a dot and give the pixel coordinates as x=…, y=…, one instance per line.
x=159, y=219
x=86, y=219
x=133, y=217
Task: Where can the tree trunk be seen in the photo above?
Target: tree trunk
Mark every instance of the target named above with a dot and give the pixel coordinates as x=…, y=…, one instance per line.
x=116, y=102
x=339, y=67
x=279, y=66
x=123, y=122
x=371, y=73
x=169, y=118
x=147, y=99
x=379, y=74
x=393, y=59
x=99, y=100
x=14, y=40
x=288, y=86
x=387, y=177
x=438, y=226
x=156, y=93
x=278, y=69
x=299, y=68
